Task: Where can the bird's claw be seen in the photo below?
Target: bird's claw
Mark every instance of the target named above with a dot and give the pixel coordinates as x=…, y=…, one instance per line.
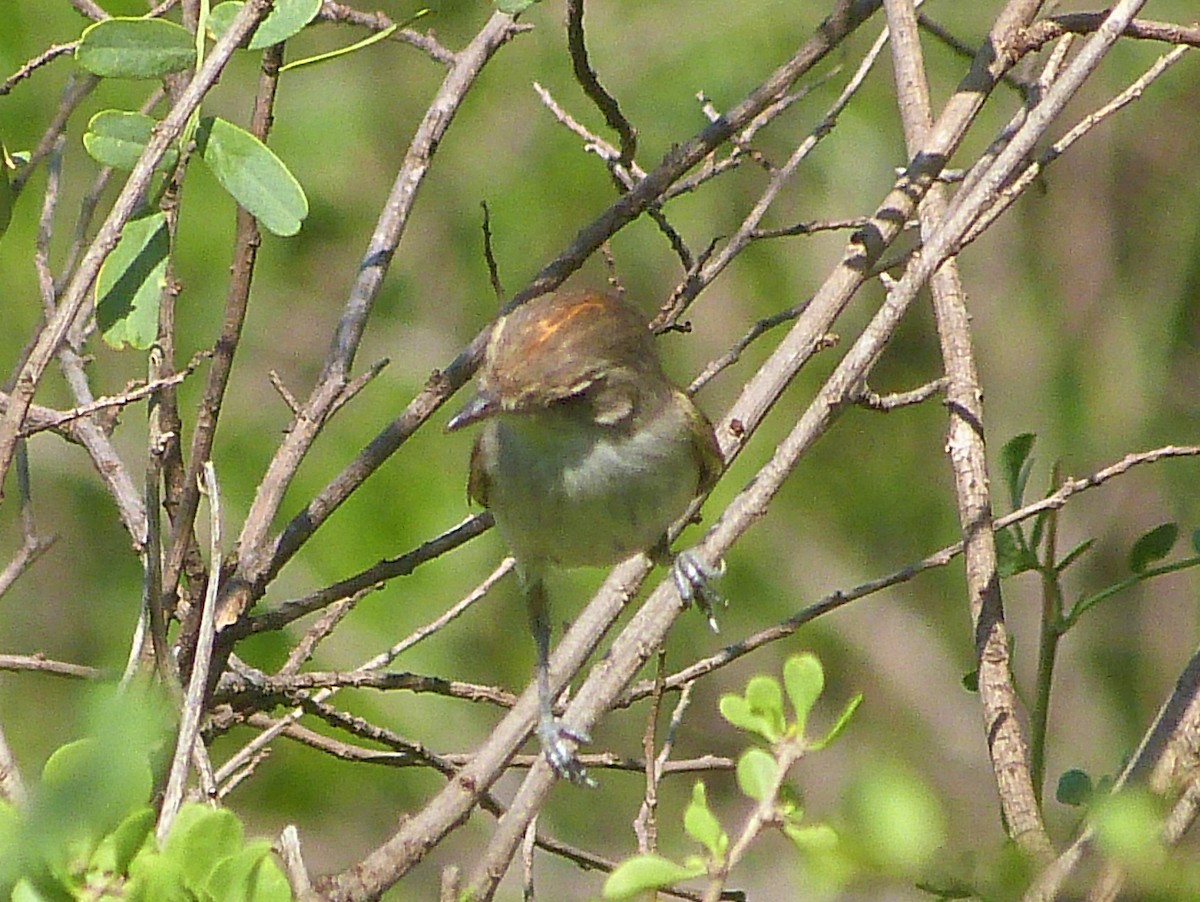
x=694, y=579
x=554, y=735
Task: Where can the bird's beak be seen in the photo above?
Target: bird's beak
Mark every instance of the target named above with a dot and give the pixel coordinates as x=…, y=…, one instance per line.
x=478, y=408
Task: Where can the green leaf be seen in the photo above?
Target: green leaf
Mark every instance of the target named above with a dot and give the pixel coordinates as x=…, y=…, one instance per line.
x=250, y=875
x=757, y=771
x=130, y=283
x=1129, y=828
x=1012, y=557
x=88, y=788
x=813, y=838
x=836, y=730
x=1015, y=460
x=702, y=825
x=738, y=712
x=804, y=680
x=199, y=839
x=285, y=20
x=117, y=138
x=1074, y=554
x=257, y=179
x=118, y=848
x=970, y=680
x=645, y=872
x=765, y=698
x=788, y=802
x=135, y=48
x=1074, y=788
x=897, y=819
x=1153, y=546
x=156, y=878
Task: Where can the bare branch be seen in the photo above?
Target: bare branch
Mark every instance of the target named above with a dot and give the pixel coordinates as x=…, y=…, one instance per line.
x=39, y=663
x=193, y=705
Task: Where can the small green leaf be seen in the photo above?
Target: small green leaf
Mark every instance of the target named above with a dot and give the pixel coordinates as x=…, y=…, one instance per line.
x=788, y=802
x=250, y=875
x=514, y=7
x=836, y=730
x=702, y=825
x=970, y=680
x=1074, y=554
x=117, y=849
x=285, y=20
x=738, y=712
x=757, y=772
x=813, y=838
x=117, y=138
x=765, y=698
x=135, y=48
x=1153, y=546
x=805, y=680
x=645, y=872
x=87, y=790
x=199, y=839
x=156, y=878
x=257, y=179
x=1015, y=460
x=131, y=281
x=1012, y=557
x=1074, y=788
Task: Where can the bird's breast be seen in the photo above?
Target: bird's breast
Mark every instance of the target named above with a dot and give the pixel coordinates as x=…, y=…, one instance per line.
x=577, y=493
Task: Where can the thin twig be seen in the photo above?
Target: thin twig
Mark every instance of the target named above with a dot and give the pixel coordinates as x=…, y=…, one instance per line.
x=586, y=76
x=965, y=448
x=54, y=51
x=194, y=700
x=372, y=578
x=49, y=419
x=686, y=291
x=1045, y=30
x=39, y=663
x=887, y=403
x=489, y=255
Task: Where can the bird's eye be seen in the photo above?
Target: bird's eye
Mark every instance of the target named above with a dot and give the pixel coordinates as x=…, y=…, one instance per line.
x=612, y=403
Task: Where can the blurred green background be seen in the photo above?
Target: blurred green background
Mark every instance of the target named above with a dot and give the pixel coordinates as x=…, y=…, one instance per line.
x=1086, y=305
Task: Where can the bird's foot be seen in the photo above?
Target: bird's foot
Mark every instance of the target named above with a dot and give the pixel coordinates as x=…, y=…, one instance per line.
x=694, y=579
x=554, y=736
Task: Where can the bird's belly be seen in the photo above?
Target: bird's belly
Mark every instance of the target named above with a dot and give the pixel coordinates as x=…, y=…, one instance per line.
x=589, y=503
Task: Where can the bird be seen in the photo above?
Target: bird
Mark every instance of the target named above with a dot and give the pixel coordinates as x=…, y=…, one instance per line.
x=586, y=456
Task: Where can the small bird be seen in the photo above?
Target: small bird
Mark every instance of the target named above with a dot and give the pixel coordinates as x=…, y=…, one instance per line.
x=588, y=453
